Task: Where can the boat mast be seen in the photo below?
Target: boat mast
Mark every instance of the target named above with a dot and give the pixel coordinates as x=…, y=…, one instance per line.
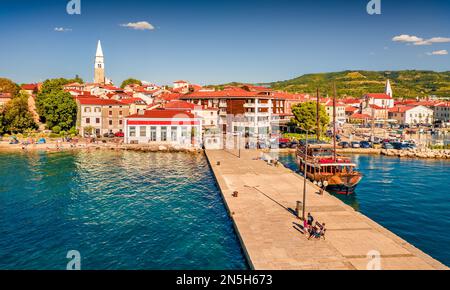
x=317, y=115
x=334, y=121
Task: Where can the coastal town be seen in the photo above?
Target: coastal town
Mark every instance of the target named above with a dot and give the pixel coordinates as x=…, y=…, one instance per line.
x=234, y=136
x=187, y=115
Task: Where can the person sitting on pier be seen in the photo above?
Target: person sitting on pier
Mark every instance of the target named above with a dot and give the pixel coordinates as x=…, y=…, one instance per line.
x=310, y=220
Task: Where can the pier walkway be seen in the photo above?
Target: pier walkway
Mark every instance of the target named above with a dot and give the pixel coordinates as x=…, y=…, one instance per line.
x=270, y=233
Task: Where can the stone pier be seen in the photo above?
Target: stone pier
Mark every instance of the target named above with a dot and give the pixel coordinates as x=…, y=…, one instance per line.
x=271, y=234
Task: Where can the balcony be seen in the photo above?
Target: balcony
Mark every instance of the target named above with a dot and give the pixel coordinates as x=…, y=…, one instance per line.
x=259, y=105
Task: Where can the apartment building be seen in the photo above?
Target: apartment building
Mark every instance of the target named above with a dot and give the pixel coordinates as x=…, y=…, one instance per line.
x=100, y=116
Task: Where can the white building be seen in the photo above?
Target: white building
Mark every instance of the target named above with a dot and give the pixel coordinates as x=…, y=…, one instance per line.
x=380, y=100
x=164, y=127
x=180, y=84
x=412, y=115
x=208, y=115
x=442, y=112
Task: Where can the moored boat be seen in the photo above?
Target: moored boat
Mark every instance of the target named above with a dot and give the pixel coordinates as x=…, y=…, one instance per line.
x=325, y=168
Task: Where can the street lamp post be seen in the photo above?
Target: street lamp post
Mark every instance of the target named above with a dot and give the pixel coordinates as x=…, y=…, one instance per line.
x=304, y=176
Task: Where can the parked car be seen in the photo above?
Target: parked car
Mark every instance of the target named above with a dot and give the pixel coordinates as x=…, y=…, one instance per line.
x=344, y=144
x=365, y=144
x=387, y=145
x=400, y=146
x=355, y=144
x=294, y=144
x=109, y=135
x=120, y=134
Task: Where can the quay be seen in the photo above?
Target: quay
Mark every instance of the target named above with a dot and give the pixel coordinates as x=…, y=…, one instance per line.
x=270, y=233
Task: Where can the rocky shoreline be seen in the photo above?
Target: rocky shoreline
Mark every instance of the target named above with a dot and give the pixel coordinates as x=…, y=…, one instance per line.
x=54, y=147
x=418, y=153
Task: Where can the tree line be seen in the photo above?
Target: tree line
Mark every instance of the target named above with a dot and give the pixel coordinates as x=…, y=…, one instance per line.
x=57, y=109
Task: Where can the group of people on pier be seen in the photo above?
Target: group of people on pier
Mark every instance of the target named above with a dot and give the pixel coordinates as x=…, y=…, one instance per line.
x=316, y=231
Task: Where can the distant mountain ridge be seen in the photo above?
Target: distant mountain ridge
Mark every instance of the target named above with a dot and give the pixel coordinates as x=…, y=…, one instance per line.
x=405, y=83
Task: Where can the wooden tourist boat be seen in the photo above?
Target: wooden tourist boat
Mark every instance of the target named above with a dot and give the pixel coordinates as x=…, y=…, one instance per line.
x=335, y=173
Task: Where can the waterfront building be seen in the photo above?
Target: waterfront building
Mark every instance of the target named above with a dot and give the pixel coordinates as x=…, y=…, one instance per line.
x=442, y=112
x=209, y=116
x=165, y=127
x=412, y=115
x=103, y=116
x=241, y=111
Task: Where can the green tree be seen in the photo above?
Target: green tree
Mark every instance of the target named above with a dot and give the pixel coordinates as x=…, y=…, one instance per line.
x=305, y=116
x=8, y=86
x=16, y=117
x=129, y=82
x=56, y=107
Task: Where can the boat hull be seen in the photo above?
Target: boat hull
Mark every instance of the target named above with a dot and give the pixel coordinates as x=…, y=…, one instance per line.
x=342, y=189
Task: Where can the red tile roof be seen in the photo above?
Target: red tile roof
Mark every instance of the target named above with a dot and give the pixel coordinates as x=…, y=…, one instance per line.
x=351, y=109
x=379, y=96
x=129, y=101
x=181, y=105
x=30, y=87
x=360, y=116
x=163, y=114
x=401, y=109
x=230, y=92
x=98, y=101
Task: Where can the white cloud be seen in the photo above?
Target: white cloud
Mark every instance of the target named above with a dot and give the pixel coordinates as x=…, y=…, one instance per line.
x=141, y=25
x=438, y=52
x=407, y=38
x=420, y=41
x=62, y=29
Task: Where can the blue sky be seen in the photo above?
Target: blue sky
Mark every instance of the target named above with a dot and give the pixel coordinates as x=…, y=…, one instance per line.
x=219, y=41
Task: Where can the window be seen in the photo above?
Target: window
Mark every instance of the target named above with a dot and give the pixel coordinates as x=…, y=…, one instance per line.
x=87, y=109
x=174, y=134
x=132, y=131
x=143, y=131
x=97, y=120
x=110, y=113
x=184, y=133
x=163, y=134
x=97, y=109
x=153, y=134
x=120, y=113
x=88, y=120
x=110, y=122
x=120, y=122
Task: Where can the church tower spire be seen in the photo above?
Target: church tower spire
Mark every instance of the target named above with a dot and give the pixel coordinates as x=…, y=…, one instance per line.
x=99, y=71
x=388, y=90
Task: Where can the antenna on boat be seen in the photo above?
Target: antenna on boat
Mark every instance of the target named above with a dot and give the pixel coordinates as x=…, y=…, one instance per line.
x=317, y=115
x=334, y=120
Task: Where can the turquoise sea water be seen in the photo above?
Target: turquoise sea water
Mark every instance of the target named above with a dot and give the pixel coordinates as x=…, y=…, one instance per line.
x=120, y=210
x=409, y=197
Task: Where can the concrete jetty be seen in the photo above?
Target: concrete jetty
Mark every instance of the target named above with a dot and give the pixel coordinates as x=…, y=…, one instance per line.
x=271, y=235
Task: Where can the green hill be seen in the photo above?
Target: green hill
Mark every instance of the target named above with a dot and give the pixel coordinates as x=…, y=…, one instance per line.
x=405, y=84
